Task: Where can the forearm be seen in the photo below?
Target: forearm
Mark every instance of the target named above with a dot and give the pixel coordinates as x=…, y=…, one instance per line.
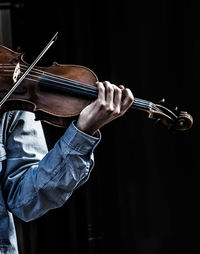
x=46, y=185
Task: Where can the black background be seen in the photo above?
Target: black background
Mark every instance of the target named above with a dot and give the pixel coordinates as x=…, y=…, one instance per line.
x=143, y=193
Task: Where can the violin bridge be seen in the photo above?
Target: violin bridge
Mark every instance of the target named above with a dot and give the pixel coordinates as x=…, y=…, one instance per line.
x=16, y=73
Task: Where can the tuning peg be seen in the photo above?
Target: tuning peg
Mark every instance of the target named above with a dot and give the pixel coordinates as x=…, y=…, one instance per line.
x=162, y=101
x=175, y=109
x=158, y=122
x=171, y=128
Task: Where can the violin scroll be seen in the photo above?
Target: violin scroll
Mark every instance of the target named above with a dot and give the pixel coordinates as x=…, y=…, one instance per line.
x=183, y=122
x=175, y=120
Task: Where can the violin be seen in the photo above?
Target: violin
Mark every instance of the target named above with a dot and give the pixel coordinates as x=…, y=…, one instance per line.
x=61, y=91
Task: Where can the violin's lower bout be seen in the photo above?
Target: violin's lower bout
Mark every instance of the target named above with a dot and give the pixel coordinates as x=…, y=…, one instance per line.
x=56, y=108
x=51, y=118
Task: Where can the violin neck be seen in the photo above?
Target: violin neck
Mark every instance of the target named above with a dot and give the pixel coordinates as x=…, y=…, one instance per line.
x=78, y=88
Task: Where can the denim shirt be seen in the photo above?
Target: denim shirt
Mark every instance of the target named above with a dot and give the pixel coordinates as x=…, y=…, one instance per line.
x=33, y=180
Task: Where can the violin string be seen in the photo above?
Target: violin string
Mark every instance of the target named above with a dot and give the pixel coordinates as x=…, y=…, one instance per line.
x=37, y=71
x=50, y=77
x=137, y=102
x=57, y=79
x=72, y=82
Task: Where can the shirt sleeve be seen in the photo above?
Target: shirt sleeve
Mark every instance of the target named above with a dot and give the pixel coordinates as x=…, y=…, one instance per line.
x=36, y=180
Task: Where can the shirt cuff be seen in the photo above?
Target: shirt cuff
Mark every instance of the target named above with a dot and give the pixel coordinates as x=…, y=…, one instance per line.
x=79, y=140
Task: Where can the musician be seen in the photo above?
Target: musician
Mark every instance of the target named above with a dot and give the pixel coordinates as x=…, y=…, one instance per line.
x=33, y=180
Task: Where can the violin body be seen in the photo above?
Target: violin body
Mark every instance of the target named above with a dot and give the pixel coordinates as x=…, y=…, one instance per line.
x=60, y=92
x=48, y=104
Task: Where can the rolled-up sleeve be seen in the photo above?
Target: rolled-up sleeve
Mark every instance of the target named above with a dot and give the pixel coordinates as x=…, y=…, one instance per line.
x=35, y=180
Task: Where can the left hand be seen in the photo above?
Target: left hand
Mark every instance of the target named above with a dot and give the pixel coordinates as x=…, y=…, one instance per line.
x=107, y=107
